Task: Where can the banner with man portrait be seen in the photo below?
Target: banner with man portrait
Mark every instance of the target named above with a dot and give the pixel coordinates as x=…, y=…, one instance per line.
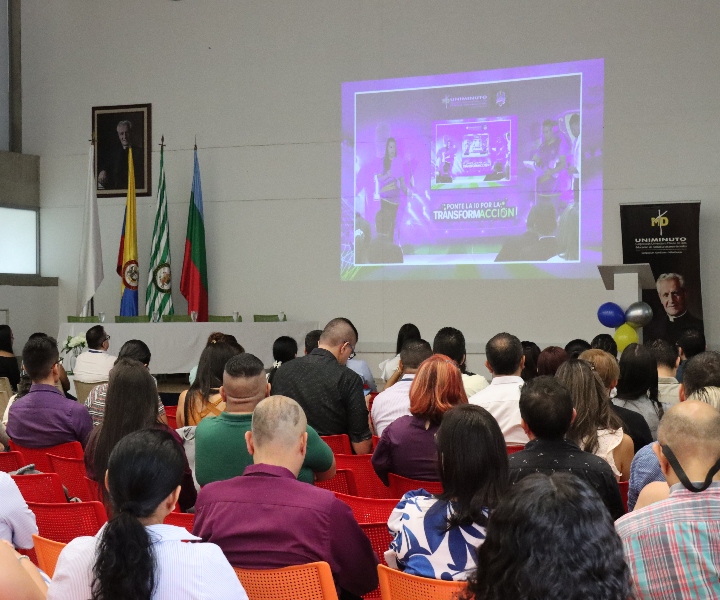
x=666, y=235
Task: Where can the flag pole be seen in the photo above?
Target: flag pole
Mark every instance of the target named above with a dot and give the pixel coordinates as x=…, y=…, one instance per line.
x=92, y=299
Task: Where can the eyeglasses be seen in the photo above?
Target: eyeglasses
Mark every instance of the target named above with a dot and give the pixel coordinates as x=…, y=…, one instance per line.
x=107, y=339
x=352, y=350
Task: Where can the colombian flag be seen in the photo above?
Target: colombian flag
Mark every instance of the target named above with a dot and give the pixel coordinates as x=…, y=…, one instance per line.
x=127, y=263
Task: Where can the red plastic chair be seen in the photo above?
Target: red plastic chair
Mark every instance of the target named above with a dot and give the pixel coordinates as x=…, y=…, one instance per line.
x=65, y=522
x=41, y=487
x=73, y=475
x=624, y=489
x=171, y=414
x=368, y=483
x=96, y=493
x=380, y=539
x=343, y=482
x=400, y=485
x=512, y=449
x=179, y=519
x=11, y=461
x=369, y=510
x=339, y=444
x=38, y=456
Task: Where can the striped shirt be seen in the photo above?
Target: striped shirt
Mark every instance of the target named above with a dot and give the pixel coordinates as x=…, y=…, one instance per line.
x=391, y=404
x=95, y=404
x=673, y=547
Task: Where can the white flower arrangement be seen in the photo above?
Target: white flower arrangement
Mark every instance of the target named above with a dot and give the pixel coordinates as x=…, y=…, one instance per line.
x=72, y=343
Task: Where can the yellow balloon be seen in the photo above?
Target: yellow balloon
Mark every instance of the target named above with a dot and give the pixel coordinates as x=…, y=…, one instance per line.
x=624, y=336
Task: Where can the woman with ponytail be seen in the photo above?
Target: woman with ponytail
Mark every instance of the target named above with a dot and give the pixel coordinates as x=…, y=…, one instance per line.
x=134, y=555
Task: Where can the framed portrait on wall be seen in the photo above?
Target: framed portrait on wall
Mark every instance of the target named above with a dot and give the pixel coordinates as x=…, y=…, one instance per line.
x=115, y=129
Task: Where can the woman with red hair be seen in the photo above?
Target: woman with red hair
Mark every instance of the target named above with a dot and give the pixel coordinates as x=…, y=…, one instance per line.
x=550, y=359
x=407, y=446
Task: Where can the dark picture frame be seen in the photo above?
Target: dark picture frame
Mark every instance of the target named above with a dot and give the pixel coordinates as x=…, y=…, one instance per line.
x=110, y=129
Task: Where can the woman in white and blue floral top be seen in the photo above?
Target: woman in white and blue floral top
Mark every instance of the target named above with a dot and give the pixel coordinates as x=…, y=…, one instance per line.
x=438, y=536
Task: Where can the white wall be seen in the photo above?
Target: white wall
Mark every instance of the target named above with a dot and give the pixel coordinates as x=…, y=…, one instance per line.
x=31, y=309
x=259, y=83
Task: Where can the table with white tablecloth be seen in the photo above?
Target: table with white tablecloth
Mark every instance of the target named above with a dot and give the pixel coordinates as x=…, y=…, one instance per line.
x=176, y=347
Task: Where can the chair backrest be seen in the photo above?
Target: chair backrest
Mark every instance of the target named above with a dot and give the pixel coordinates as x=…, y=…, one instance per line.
x=65, y=522
x=343, y=482
x=41, y=487
x=73, y=476
x=176, y=319
x=5, y=386
x=82, y=389
x=367, y=482
x=339, y=444
x=400, y=485
x=512, y=449
x=47, y=552
x=186, y=520
x=39, y=457
x=380, y=539
x=72, y=319
x=96, y=492
x=11, y=461
x=171, y=414
x=222, y=319
x=313, y=581
x=396, y=585
x=266, y=318
x=4, y=401
x=134, y=319
x=369, y=510
x=624, y=489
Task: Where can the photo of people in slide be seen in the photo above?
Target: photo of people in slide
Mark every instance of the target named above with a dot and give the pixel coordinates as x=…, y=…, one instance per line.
x=490, y=169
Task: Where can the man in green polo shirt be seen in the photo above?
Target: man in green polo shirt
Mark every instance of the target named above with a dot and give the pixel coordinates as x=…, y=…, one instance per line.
x=220, y=449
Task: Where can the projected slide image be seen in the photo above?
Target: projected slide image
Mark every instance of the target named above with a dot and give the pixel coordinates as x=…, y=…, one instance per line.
x=499, y=170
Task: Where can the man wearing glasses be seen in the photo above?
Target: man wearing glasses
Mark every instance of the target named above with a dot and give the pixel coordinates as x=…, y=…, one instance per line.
x=94, y=365
x=330, y=394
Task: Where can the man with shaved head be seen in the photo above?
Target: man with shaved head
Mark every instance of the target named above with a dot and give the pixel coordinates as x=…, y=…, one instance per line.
x=266, y=519
x=330, y=394
x=672, y=545
x=220, y=449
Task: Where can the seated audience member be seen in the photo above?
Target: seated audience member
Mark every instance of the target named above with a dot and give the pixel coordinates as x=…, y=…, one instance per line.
x=330, y=394
x=20, y=579
x=634, y=424
x=93, y=365
x=135, y=555
x=576, y=347
x=549, y=537
x=547, y=412
x=17, y=522
x=4, y=439
x=363, y=369
x=44, y=416
x=23, y=388
x=64, y=380
x=220, y=448
x=95, y=401
x=667, y=360
x=451, y=342
x=550, y=359
x=203, y=398
x=8, y=361
x=131, y=404
x=604, y=341
x=637, y=388
x=596, y=428
x=284, y=350
x=690, y=343
x=407, y=446
x=394, y=402
x=531, y=352
x=437, y=536
x=214, y=338
x=505, y=361
x=266, y=519
x=389, y=366
x=312, y=339
x=701, y=383
x=672, y=546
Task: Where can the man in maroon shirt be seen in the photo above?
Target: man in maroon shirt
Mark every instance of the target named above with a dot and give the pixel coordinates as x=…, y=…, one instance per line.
x=267, y=519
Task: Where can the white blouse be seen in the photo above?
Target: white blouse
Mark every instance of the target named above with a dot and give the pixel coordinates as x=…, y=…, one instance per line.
x=184, y=571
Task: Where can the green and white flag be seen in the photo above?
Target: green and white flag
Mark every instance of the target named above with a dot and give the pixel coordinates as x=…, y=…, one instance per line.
x=158, y=296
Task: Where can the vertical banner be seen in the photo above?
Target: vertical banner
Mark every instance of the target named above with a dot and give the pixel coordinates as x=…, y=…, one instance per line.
x=668, y=237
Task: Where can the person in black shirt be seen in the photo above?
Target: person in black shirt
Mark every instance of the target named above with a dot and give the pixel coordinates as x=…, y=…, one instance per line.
x=330, y=394
x=547, y=413
x=8, y=361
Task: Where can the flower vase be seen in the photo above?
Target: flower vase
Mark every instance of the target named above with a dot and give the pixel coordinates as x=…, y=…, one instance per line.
x=72, y=358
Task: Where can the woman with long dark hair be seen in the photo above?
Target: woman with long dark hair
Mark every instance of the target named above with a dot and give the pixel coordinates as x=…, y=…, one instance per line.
x=437, y=536
x=390, y=366
x=131, y=405
x=134, y=555
x=8, y=361
x=531, y=352
x=637, y=389
x=284, y=349
x=203, y=397
x=550, y=537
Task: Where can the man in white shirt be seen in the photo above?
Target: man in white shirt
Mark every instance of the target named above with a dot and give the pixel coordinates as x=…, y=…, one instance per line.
x=501, y=398
x=451, y=342
x=94, y=365
x=668, y=360
x=394, y=401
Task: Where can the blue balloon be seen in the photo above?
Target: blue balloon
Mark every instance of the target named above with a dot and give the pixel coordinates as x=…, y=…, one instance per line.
x=611, y=315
